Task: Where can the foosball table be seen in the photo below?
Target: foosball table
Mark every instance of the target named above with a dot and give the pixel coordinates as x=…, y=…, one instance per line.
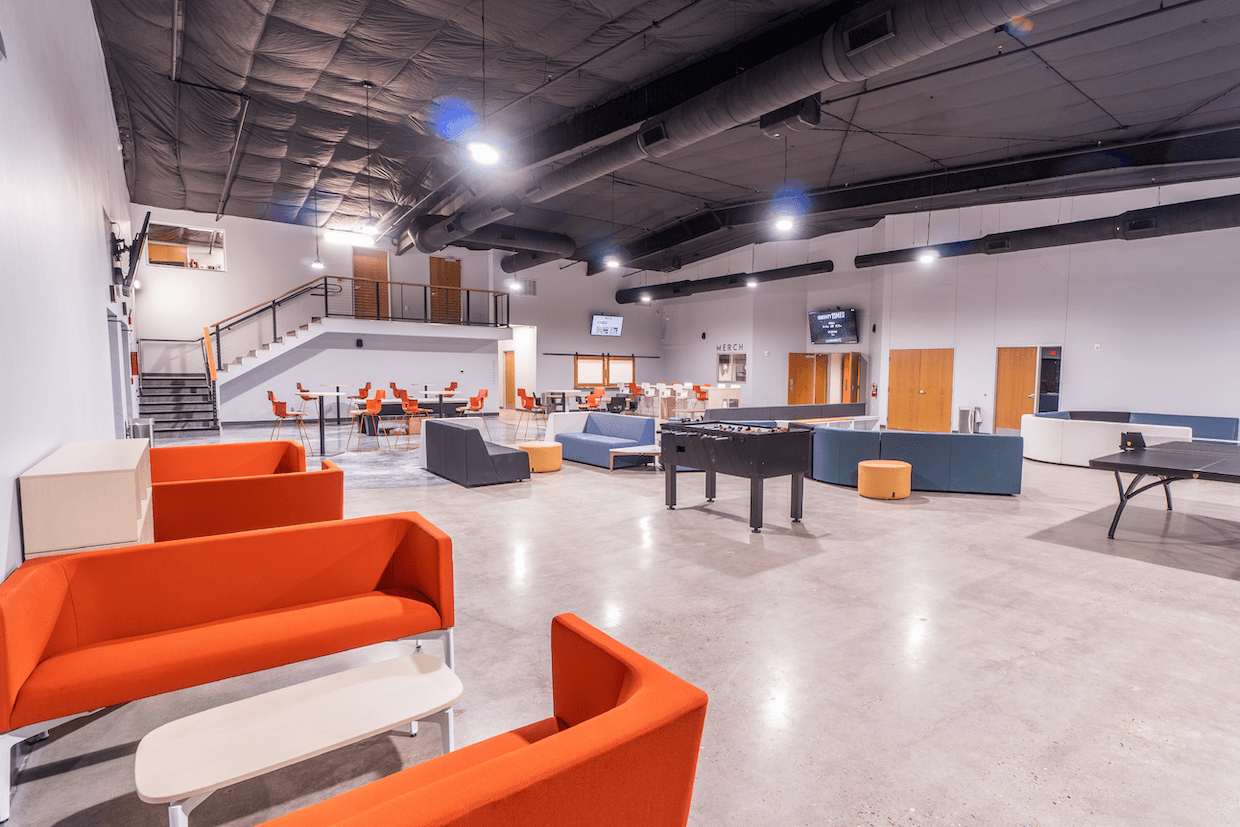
x=756, y=452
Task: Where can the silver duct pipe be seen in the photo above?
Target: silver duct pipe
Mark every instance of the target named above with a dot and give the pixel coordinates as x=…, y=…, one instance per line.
x=680, y=289
x=877, y=37
x=1153, y=222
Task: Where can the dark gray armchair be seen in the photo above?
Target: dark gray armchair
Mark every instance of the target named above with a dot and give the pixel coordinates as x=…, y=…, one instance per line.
x=458, y=452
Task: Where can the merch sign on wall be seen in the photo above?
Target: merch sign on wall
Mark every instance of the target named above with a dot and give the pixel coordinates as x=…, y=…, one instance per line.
x=731, y=358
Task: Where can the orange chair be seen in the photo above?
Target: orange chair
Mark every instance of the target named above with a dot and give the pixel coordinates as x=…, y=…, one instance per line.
x=531, y=409
x=360, y=396
x=594, y=402
x=475, y=407
x=281, y=411
x=372, y=411
x=449, y=391
x=411, y=412
x=619, y=749
x=306, y=396
x=635, y=398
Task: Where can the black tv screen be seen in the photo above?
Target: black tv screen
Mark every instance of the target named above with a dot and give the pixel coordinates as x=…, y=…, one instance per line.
x=833, y=327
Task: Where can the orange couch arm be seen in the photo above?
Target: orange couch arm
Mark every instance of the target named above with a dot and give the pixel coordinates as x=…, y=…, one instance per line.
x=199, y=508
x=423, y=561
x=34, y=608
x=178, y=463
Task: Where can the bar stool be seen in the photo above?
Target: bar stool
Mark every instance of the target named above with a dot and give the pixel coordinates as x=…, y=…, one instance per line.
x=281, y=411
x=475, y=407
x=372, y=411
x=307, y=396
x=530, y=408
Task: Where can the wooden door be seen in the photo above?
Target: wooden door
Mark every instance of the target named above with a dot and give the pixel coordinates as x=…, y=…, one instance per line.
x=445, y=290
x=934, y=410
x=1016, y=385
x=903, y=386
x=800, y=378
x=822, y=376
x=370, y=283
x=510, y=379
x=850, y=387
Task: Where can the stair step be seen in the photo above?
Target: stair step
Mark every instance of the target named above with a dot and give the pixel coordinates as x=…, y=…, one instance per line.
x=172, y=408
x=173, y=427
x=179, y=399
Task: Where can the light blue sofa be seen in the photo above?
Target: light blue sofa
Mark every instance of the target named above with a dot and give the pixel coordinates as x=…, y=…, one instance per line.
x=604, y=431
x=965, y=463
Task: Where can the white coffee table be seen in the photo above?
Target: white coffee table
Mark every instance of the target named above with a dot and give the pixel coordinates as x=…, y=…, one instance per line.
x=634, y=451
x=183, y=762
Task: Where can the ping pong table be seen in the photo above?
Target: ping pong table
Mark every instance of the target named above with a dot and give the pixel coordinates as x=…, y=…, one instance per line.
x=1169, y=461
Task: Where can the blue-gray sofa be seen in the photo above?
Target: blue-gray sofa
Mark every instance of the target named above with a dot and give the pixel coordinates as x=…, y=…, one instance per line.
x=964, y=463
x=603, y=431
x=765, y=412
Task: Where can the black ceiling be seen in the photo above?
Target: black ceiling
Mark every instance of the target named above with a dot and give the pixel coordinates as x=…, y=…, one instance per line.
x=1099, y=95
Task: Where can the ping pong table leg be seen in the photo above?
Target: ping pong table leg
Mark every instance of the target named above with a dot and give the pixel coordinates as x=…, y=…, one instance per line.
x=1166, y=483
x=1126, y=494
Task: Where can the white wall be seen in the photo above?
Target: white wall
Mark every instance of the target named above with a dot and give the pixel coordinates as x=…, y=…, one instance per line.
x=264, y=260
x=1145, y=325
x=561, y=311
x=60, y=173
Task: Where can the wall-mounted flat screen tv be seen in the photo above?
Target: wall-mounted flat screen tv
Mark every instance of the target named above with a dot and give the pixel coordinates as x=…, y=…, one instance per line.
x=833, y=327
x=606, y=325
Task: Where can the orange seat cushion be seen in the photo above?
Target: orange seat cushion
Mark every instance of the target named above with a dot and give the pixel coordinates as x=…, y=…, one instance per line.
x=118, y=671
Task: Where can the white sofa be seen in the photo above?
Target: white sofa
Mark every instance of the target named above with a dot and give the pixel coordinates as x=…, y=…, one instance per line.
x=1077, y=441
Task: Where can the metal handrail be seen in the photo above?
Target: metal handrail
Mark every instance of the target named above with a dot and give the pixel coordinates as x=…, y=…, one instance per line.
x=245, y=332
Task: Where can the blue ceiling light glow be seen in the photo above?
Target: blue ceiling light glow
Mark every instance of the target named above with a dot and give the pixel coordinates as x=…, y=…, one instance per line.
x=791, y=200
x=1018, y=26
x=453, y=118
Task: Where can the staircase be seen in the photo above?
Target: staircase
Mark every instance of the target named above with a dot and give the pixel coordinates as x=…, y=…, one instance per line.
x=177, y=403
x=280, y=345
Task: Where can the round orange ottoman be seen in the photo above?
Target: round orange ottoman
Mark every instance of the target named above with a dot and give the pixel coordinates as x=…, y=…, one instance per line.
x=544, y=456
x=884, y=479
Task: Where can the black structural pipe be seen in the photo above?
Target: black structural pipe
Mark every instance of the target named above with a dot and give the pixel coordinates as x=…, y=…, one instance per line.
x=1152, y=222
x=679, y=289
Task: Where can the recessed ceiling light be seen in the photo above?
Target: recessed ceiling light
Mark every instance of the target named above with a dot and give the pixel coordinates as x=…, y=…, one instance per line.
x=483, y=153
x=784, y=223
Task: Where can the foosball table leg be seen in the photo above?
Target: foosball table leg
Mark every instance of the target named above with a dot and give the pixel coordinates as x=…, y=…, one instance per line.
x=798, y=497
x=755, y=504
x=710, y=485
x=669, y=483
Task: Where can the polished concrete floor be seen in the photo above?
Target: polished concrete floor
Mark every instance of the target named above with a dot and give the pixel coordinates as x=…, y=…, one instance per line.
x=943, y=660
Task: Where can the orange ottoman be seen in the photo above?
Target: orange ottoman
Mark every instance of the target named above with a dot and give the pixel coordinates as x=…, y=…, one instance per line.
x=884, y=479
x=544, y=456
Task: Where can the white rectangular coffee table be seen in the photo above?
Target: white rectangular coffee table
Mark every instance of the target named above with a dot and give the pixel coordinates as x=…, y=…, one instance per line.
x=183, y=762
x=634, y=451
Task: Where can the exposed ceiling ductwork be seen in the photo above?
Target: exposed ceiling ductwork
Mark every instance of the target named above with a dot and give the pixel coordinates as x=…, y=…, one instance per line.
x=1172, y=219
x=505, y=237
x=680, y=289
x=875, y=38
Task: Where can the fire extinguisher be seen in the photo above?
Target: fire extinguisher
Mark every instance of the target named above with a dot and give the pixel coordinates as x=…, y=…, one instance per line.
x=874, y=390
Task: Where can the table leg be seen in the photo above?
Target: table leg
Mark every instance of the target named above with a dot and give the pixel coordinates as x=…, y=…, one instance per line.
x=323, y=426
x=755, y=504
x=798, y=496
x=1126, y=494
x=178, y=811
x=710, y=483
x=446, y=734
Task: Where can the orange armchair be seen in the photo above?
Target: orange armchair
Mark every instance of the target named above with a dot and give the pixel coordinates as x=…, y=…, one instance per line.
x=201, y=490
x=620, y=750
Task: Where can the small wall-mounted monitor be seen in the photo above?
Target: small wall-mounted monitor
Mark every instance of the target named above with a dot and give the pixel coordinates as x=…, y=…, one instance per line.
x=833, y=327
x=606, y=325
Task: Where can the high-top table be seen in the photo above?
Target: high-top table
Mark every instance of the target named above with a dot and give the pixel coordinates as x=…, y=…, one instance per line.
x=323, y=418
x=181, y=763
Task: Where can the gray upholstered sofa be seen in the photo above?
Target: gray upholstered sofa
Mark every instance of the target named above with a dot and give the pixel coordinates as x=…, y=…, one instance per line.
x=966, y=463
x=589, y=438
x=458, y=452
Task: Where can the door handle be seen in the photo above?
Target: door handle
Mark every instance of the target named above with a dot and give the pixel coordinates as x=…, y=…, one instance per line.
x=1030, y=396
x=921, y=391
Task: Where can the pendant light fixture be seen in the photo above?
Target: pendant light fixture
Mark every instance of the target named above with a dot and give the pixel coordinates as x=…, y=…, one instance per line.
x=612, y=260
x=480, y=150
x=370, y=227
x=318, y=260
x=784, y=220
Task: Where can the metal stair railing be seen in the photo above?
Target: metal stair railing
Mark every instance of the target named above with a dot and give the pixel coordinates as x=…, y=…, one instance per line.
x=249, y=331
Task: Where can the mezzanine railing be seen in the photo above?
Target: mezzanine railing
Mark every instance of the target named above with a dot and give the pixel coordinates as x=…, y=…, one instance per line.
x=246, y=332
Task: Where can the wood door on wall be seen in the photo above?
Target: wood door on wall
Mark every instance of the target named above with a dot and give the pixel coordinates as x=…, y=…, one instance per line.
x=510, y=379
x=850, y=382
x=370, y=283
x=1016, y=385
x=800, y=378
x=822, y=375
x=919, y=390
x=446, y=302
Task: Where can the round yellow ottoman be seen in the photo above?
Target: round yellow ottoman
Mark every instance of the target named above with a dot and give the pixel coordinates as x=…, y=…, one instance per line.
x=544, y=456
x=884, y=479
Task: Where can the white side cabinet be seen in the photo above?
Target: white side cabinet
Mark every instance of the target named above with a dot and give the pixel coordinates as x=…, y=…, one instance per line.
x=88, y=495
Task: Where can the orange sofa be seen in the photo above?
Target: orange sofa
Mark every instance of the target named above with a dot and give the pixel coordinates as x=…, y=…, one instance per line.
x=83, y=631
x=619, y=751
x=199, y=490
